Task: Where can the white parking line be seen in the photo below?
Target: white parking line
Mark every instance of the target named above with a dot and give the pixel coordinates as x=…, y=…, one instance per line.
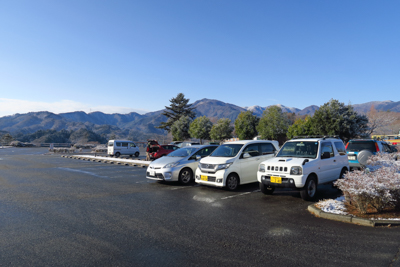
x=238, y=195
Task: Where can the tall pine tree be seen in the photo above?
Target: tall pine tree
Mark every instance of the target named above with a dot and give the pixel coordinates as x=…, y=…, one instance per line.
x=179, y=107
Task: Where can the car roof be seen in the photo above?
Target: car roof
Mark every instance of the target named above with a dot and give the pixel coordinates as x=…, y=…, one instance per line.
x=198, y=146
x=243, y=142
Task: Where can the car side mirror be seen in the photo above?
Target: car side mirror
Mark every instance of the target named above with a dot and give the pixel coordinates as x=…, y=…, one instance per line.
x=325, y=155
x=198, y=157
x=246, y=155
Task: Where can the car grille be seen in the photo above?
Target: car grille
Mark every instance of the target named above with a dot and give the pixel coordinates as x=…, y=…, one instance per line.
x=207, y=166
x=158, y=175
x=276, y=168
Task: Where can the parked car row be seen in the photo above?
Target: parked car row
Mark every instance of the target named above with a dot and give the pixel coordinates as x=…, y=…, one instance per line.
x=300, y=164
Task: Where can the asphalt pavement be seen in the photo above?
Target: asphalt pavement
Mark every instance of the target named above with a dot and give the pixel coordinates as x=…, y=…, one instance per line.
x=57, y=211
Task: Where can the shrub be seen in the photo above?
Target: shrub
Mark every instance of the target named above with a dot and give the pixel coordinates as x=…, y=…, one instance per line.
x=377, y=187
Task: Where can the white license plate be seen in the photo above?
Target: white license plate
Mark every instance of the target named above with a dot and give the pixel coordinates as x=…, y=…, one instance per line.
x=351, y=157
x=152, y=173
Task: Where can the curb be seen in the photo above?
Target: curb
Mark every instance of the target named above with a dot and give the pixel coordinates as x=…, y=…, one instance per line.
x=351, y=219
x=109, y=161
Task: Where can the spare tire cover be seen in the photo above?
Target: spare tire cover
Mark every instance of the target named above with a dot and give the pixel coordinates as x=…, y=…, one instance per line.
x=363, y=156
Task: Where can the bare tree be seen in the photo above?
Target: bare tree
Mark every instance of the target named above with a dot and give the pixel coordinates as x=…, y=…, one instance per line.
x=379, y=121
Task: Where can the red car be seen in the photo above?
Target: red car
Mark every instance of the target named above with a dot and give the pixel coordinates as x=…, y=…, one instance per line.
x=162, y=150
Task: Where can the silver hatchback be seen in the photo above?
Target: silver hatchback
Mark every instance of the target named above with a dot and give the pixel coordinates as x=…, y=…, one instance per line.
x=179, y=165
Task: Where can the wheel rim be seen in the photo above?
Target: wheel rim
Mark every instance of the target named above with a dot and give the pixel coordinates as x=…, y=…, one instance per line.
x=232, y=182
x=185, y=176
x=311, y=188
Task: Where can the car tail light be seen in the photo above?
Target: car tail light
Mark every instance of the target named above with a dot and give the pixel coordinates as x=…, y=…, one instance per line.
x=377, y=147
x=347, y=145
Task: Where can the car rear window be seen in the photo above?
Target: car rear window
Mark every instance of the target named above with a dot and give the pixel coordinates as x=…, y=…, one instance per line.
x=357, y=146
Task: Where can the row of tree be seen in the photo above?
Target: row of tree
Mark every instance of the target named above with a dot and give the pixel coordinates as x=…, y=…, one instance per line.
x=332, y=118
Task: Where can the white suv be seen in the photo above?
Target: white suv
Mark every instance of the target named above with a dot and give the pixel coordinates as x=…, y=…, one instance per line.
x=235, y=163
x=303, y=163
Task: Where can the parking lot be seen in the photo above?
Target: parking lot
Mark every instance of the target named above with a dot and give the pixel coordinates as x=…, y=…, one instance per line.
x=62, y=211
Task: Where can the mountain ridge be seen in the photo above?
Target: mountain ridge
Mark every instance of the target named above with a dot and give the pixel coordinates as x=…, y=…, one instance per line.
x=135, y=123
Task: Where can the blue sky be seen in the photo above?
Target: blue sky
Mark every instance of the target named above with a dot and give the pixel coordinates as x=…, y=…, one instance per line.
x=122, y=56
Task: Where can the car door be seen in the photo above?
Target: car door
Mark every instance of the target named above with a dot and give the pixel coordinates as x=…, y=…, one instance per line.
x=249, y=166
x=327, y=165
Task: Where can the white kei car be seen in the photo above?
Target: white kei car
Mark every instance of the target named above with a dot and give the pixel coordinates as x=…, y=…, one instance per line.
x=303, y=164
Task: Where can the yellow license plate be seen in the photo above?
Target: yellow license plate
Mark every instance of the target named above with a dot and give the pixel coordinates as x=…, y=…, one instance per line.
x=204, y=178
x=276, y=179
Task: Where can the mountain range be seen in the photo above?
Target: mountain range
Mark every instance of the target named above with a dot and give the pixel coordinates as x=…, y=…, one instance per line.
x=136, y=124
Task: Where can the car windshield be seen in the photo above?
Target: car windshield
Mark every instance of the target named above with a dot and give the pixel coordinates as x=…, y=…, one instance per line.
x=357, y=146
x=227, y=150
x=183, y=152
x=299, y=149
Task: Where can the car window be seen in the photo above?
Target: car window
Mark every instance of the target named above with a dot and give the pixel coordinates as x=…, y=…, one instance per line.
x=386, y=148
x=132, y=145
x=118, y=143
x=182, y=152
x=267, y=148
x=340, y=148
x=125, y=144
x=299, y=149
x=357, y=146
x=327, y=147
x=205, y=151
x=227, y=150
x=111, y=143
x=252, y=149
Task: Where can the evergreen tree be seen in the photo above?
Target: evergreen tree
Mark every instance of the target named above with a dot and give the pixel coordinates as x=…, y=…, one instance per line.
x=221, y=130
x=300, y=127
x=180, y=129
x=200, y=128
x=179, y=107
x=246, y=125
x=273, y=124
x=335, y=118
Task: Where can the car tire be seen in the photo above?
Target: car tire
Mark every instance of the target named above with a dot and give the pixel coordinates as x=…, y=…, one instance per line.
x=309, y=191
x=266, y=190
x=137, y=154
x=117, y=154
x=186, y=176
x=342, y=173
x=232, y=182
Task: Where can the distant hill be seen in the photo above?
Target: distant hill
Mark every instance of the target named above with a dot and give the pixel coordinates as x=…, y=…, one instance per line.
x=134, y=124
x=379, y=105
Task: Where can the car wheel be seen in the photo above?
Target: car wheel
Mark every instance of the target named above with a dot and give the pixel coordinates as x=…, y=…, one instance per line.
x=232, y=182
x=185, y=176
x=342, y=173
x=137, y=154
x=117, y=154
x=266, y=190
x=310, y=189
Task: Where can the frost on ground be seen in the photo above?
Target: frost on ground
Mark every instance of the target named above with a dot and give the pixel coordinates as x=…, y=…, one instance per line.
x=333, y=205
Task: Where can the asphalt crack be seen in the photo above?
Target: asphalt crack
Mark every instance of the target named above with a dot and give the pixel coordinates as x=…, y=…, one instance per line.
x=395, y=259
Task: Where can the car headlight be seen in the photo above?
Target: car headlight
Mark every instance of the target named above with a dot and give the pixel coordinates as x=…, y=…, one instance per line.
x=296, y=170
x=223, y=166
x=261, y=168
x=171, y=165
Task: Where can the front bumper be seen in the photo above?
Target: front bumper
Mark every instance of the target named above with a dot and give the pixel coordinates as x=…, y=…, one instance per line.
x=162, y=174
x=294, y=182
x=216, y=179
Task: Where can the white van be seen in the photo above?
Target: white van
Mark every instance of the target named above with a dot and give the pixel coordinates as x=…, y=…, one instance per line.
x=122, y=147
x=235, y=163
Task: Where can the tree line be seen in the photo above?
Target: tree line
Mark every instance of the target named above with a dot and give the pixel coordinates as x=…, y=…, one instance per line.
x=332, y=118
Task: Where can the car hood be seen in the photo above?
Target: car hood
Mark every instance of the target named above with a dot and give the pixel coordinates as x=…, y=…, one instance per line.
x=161, y=162
x=286, y=161
x=216, y=160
